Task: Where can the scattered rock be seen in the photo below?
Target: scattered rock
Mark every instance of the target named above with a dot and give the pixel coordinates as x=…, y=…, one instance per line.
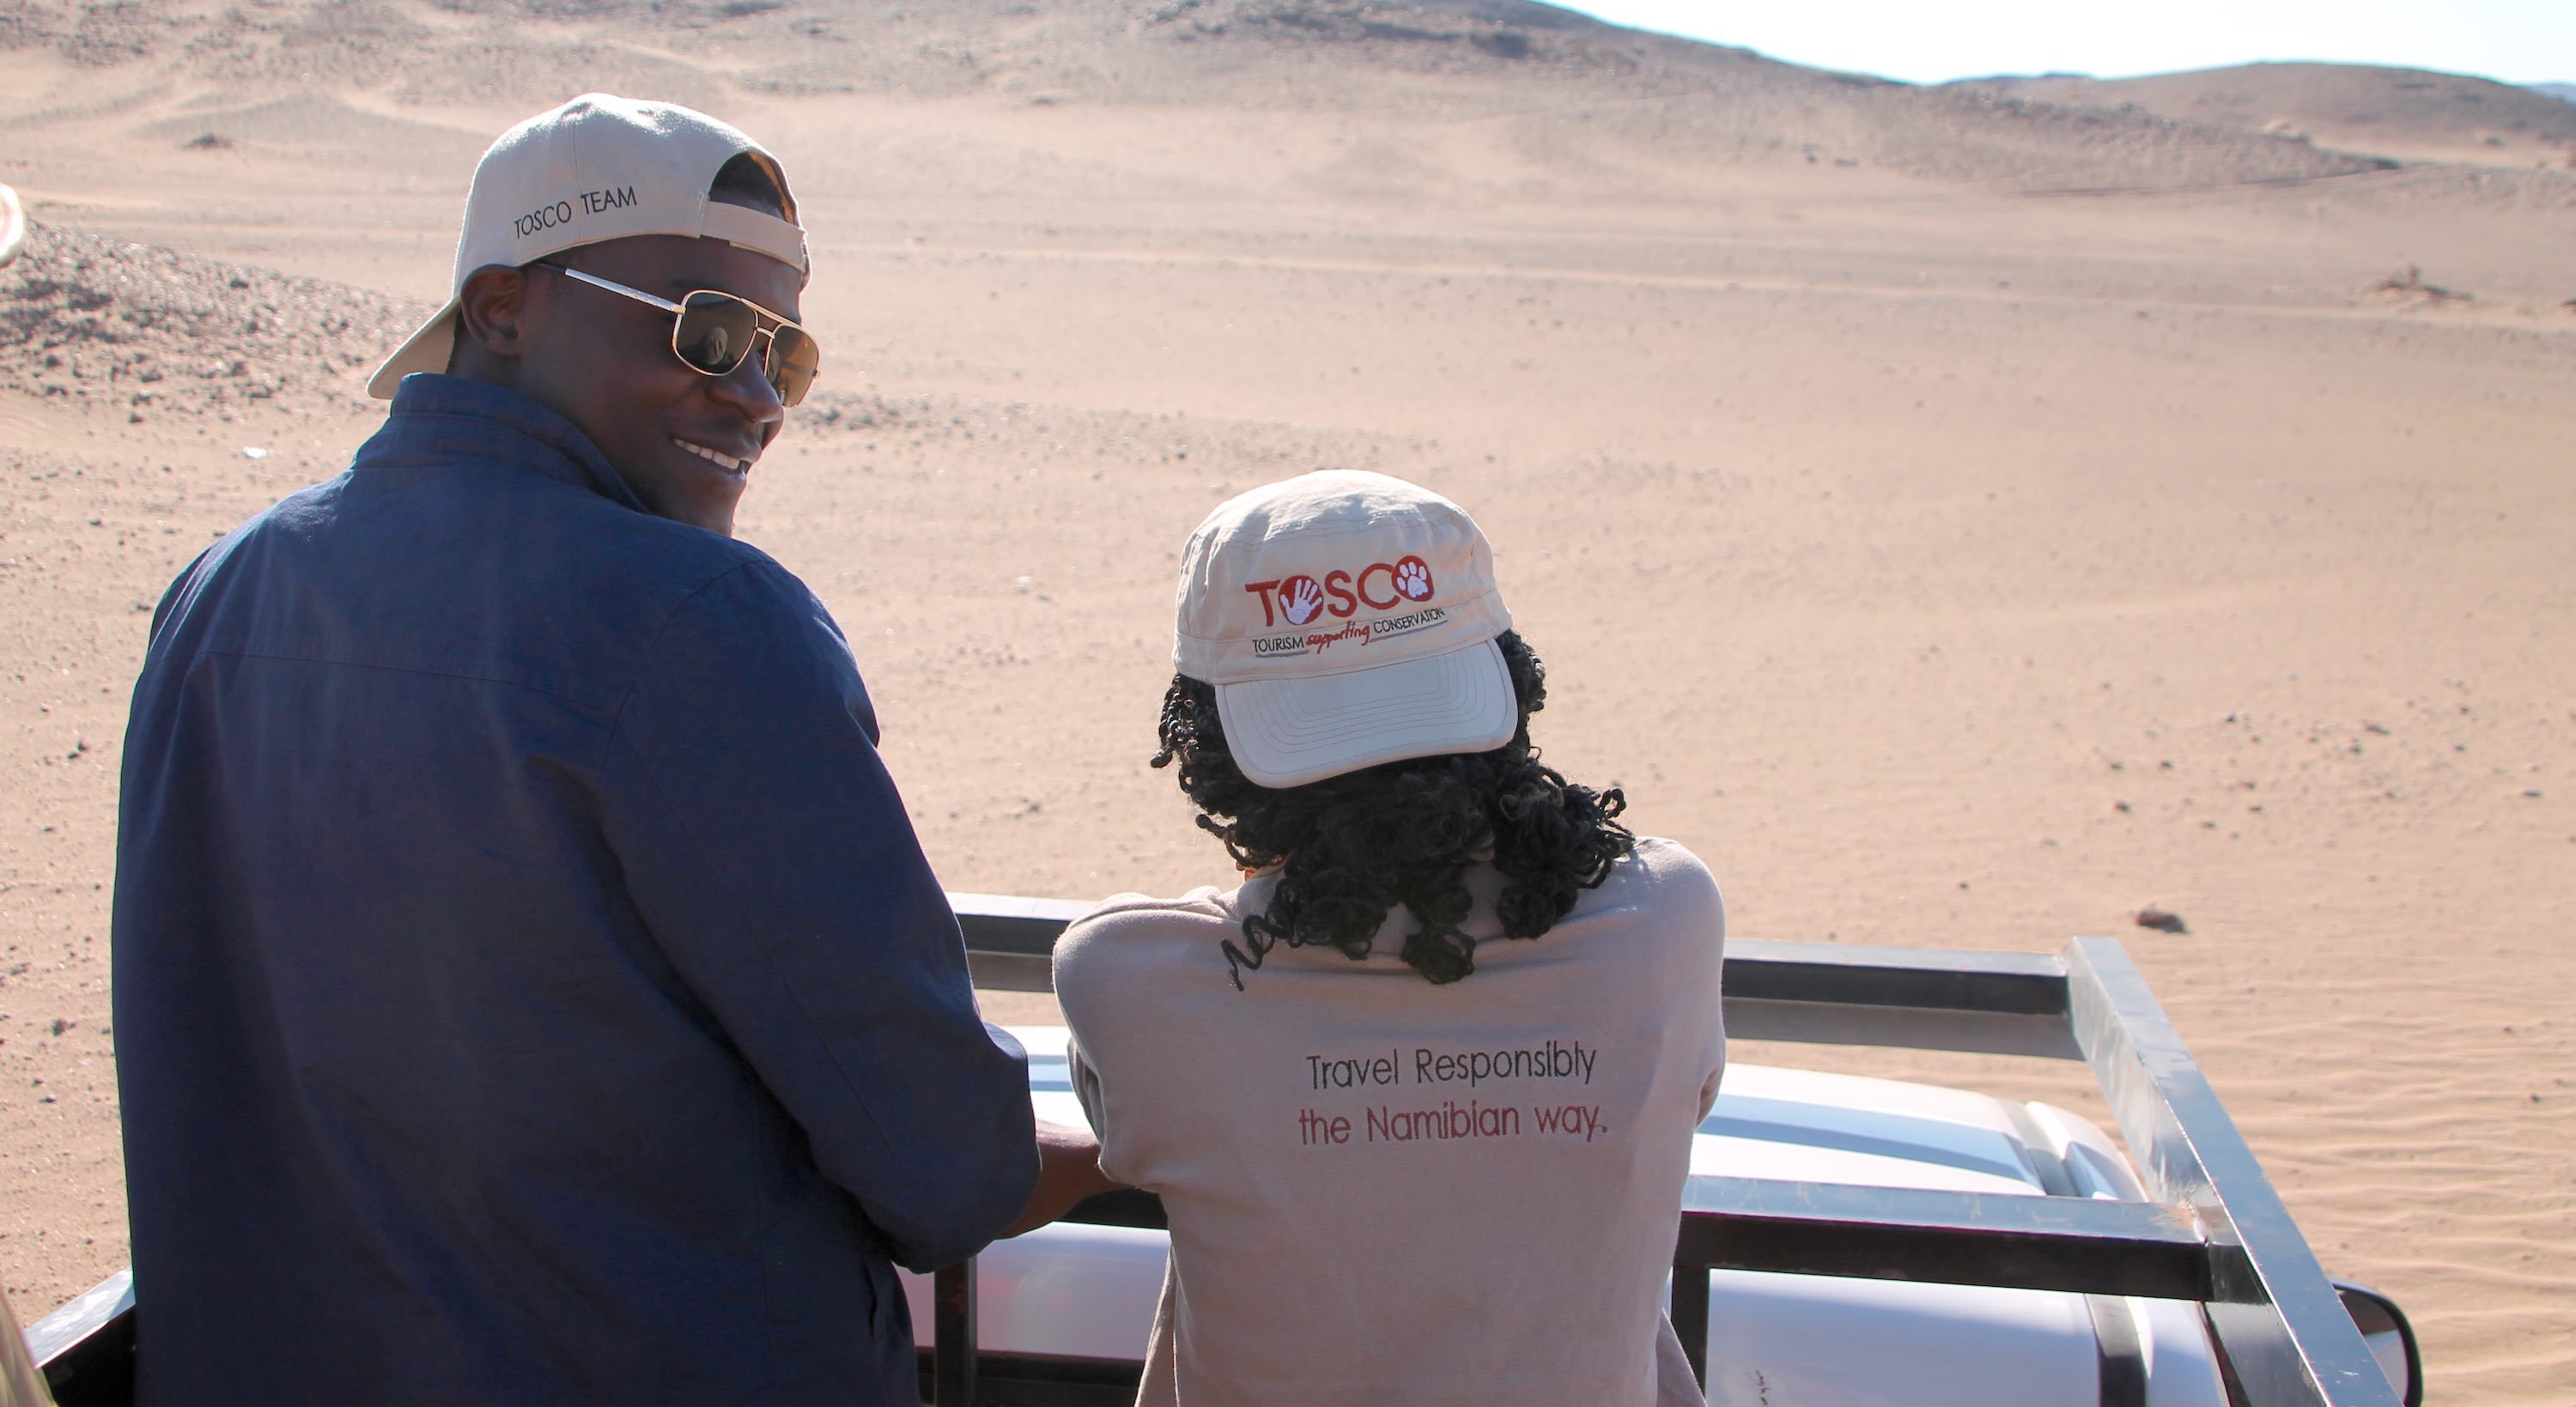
x=2410, y=287
x=2161, y=920
x=128, y=326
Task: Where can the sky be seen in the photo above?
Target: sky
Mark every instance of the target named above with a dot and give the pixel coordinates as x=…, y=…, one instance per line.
x=2516, y=41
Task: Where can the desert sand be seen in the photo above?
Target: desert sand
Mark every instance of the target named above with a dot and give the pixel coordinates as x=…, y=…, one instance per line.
x=1965, y=516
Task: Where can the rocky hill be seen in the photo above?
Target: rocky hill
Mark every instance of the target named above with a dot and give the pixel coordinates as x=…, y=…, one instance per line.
x=1544, y=78
x=2391, y=112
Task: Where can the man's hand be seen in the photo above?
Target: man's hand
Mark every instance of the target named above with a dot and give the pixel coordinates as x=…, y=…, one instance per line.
x=1068, y=1172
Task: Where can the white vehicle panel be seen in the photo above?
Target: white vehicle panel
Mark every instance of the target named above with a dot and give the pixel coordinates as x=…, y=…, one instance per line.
x=1807, y=1341
x=1062, y=1292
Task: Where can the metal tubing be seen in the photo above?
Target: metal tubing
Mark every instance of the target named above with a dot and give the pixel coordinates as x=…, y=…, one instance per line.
x=2010, y=984
x=80, y=1318
x=1909, y=1027
x=2217, y=1233
x=1128, y=1206
x=1893, y=1233
x=1819, y=993
x=86, y=1348
x=1013, y=923
x=1010, y=939
x=952, y=1335
x=2268, y=1302
x=2275, y=1315
x=1952, y=1238
x=1689, y=1314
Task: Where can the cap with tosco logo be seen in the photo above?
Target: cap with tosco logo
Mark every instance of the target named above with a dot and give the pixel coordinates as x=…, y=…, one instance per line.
x=600, y=167
x=1346, y=619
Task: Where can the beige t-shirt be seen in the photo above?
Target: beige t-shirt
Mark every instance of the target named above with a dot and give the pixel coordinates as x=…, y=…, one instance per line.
x=1382, y=1190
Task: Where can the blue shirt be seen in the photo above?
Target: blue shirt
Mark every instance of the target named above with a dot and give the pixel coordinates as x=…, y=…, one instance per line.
x=529, y=987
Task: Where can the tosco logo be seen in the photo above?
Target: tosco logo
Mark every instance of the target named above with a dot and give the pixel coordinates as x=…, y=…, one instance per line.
x=1398, y=625
x=1317, y=642
x=1379, y=586
x=547, y=217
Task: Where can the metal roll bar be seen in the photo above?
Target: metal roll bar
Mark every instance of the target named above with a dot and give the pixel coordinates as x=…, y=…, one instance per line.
x=2215, y=1231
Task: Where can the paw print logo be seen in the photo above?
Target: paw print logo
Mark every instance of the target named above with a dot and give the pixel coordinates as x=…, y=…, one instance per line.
x=1413, y=579
x=1299, y=599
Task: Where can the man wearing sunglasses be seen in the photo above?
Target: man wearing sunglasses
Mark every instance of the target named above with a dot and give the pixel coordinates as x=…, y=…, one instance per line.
x=529, y=986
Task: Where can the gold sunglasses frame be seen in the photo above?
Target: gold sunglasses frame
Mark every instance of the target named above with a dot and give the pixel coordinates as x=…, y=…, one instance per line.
x=764, y=333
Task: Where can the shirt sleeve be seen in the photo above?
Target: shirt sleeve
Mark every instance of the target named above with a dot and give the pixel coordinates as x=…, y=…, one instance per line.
x=1713, y=1047
x=1073, y=957
x=767, y=851
x=1109, y=1038
x=1086, y=1087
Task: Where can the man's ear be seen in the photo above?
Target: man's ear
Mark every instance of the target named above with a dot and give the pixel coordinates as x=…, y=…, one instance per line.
x=491, y=314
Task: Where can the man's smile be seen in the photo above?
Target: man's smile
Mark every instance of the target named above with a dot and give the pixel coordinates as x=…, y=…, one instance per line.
x=726, y=462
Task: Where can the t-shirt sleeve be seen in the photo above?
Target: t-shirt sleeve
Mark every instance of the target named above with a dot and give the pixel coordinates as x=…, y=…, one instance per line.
x=1694, y=964
x=1105, y=982
x=1713, y=1044
x=768, y=853
x=1086, y=1084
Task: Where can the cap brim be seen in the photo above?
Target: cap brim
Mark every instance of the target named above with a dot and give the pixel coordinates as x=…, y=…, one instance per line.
x=1288, y=732
x=425, y=350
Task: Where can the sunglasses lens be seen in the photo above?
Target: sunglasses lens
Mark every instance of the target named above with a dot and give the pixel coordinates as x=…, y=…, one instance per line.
x=794, y=357
x=714, y=331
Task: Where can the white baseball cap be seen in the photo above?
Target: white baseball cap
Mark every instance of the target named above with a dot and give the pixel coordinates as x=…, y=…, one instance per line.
x=600, y=167
x=1346, y=619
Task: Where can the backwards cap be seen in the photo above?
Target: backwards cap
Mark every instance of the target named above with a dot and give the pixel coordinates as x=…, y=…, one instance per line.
x=600, y=167
x=1346, y=619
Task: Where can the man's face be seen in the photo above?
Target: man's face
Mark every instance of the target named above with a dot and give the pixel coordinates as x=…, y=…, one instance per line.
x=604, y=361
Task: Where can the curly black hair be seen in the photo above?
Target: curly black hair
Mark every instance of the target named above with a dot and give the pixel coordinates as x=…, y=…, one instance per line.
x=1406, y=832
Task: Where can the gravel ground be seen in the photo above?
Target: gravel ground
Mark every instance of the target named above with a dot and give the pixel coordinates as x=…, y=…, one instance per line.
x=159, y=333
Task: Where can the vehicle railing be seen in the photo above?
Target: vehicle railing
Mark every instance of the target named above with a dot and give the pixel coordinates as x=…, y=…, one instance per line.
x=2215, y=1231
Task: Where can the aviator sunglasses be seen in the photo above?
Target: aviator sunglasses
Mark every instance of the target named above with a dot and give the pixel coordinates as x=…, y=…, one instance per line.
x=712, y=332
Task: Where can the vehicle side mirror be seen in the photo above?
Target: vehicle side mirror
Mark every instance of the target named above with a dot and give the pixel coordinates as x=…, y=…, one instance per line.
x=2383, y=1326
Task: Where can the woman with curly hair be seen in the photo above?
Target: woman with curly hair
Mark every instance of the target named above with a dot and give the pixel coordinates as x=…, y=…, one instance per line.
x=1418, y=1095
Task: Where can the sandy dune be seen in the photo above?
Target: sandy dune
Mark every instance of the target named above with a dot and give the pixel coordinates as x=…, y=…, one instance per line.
x=2388, y=112
x=1963, y=517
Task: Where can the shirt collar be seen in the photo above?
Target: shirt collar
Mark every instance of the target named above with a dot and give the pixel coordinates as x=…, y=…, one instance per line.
x=436, y=415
